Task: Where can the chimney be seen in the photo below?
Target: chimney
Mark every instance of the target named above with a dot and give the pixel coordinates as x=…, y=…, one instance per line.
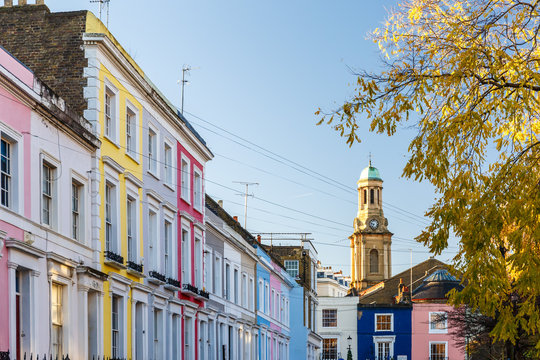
x=220, y=203
x=22, y=2
x=8, y=3
x=404, y=295
x=259, y=238
x=235, y=218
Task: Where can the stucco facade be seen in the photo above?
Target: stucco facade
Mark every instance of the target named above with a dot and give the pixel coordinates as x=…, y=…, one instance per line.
x=45, y=245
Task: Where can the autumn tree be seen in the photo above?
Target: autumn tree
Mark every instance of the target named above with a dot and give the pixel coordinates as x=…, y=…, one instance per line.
x=466, y=75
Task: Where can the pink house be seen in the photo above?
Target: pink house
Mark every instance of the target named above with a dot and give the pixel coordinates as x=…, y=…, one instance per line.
x=431, y=335
x=15, y=152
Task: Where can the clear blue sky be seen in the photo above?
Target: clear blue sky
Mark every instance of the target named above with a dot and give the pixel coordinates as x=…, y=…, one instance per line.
x=260, y=70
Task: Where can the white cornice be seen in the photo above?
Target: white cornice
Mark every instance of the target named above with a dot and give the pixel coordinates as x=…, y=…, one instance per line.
x=151, y=92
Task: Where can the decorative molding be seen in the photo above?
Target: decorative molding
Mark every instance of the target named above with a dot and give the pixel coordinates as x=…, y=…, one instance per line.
x=133, y=179
x=107, y=160
x=25, y=248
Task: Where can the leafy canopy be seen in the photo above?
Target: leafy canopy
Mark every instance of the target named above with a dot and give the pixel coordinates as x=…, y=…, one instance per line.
x=465, y=74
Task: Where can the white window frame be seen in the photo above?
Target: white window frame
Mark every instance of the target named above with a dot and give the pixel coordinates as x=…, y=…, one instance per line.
x=79, y=235
x=168, y=167
x=236, y=285
x=134, y=153
x=289, y=268
x=64, y=342
x=261, y=295
x=172, y=271
x=251, y=293
x=266, y=298
x=439, y=342
x=186, y=265
x=154, y=236
x=122, y=333
x=323, y=318
x=185, y=189
x=244, y=290
x=218, y=275
x=391, y=321
x=227, y=281
x=384, y=339
x=113, y=91
x=438, y=331
x=54, y=165
x=155, y=157
x=198, y=244
x=13, y=140
x=197, y=189
x=134, y=228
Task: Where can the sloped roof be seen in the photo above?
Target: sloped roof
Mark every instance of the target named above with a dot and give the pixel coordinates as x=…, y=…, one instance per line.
x=436, y=286
x=389, y=289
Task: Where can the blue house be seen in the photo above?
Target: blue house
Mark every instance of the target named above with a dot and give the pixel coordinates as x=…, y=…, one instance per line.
x=384, y=331
x=384, y=324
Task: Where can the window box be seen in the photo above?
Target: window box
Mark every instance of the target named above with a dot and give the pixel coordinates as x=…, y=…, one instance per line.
x=157, y=276
x=134, y=266
x=204, y=294
x=173, y=284
x=114, y=260
x=190, y=289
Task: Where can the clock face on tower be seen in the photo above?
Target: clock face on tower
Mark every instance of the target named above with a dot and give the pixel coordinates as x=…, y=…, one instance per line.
x=373, y=224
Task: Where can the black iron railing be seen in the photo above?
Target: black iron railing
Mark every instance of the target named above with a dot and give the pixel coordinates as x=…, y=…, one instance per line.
x=204, y=294
x=191, y=288
x=174, y=282
x=134, y=266
x=158, y=276
x=114, y=257
x=4, y=355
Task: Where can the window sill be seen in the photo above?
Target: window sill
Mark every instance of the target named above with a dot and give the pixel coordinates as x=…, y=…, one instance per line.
x=185, y=200
x=152, y=174
x=133, y=156
x=115, y=143
x=169, y=186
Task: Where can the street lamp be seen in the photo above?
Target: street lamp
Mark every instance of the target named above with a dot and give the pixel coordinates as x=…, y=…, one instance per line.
x=349, y=352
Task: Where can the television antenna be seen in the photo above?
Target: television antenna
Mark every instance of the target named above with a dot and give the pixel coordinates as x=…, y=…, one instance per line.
x=102, y=4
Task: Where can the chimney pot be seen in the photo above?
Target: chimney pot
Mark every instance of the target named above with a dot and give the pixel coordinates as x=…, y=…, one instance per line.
x=8, y=3
x=40, y=2
x=220, y=203
x=235, y=218
x=259, y=238
x=22, y=2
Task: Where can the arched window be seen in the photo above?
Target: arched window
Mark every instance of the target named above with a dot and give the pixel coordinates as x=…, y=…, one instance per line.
x=371, y=196
x=373, y=261
x=378, y=198
x=365, y=196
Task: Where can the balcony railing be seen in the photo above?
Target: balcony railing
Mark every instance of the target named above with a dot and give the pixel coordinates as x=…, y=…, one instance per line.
x=204, y=294
x=191, y=288
x=157, y=276
x=114, y=257
x=134, y=266
x=174, y=282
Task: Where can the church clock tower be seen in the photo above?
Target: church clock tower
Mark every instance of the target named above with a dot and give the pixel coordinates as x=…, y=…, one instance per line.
x=371, y=241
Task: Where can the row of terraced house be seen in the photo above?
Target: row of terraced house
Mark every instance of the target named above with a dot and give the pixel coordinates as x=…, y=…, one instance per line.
x=109, y=246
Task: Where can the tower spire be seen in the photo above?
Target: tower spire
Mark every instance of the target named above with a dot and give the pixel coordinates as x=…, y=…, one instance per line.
x=370, y=159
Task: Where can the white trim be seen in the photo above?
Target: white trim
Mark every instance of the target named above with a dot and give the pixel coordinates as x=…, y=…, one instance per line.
x=156, y=157
x=391, y=321
x=438, y=331
x=439, y=342
x=135, y=155
x=187, y=192
x=384, y=339
x=108, y=85
x=171, y=145
x=54, y=164
x=197, y=171
x=17, y=174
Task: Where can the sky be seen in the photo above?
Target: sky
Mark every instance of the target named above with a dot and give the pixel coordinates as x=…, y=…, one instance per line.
x=260, y=70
